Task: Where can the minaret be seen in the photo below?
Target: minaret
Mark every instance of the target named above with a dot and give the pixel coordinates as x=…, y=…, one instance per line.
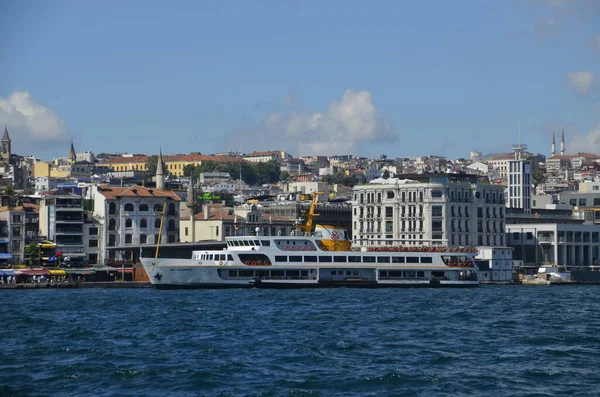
x=553, y=151
x=5, y=142
x=562, y=143
x=72, y=157
x=160, y=177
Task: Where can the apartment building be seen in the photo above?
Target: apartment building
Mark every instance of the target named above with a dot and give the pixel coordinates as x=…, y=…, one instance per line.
x=437, y=209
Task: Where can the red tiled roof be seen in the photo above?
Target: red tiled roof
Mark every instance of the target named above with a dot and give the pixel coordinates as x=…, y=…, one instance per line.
x=34, y=207
x=112, y=192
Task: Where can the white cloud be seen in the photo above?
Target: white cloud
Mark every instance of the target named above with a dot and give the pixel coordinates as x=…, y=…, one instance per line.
x=29, y=122
x=589, y=143
x=581, y=82
x=344, y=127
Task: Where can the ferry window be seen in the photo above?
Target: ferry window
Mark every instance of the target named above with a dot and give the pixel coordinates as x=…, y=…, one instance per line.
x=355, y=272
x=368, y=259
x=410, y=274
x=397, y=259
x=233, y=273
x=295, y=258
x=324, y=259
x=280, y=258
x=383, y=259
x=383, y=273
x=354, y=259
x=230, y=257
x=395, y=273
x=304, y=273
x=223, y=257
x=265, y=243
x=276, y=273
x=426, y=259
x=437, y=274
x=348, y=273
x=310, y=258
x=421, y=274
x=211, y=257
x=412, y=259
x=256, y=242
x=246, y=273
x=292, y=273
x=339, y=259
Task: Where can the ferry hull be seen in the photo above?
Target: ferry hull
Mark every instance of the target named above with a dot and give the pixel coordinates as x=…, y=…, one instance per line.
x=362, y=284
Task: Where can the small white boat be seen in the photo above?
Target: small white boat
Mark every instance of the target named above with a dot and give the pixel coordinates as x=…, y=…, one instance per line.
x=548, y=275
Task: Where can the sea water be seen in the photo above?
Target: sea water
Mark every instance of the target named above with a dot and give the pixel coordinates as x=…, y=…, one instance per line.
x=492, y=340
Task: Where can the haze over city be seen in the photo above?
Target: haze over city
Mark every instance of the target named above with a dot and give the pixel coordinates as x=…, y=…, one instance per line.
x=404, y=79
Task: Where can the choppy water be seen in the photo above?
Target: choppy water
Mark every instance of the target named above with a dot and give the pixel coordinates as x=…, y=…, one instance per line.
x=498, y=341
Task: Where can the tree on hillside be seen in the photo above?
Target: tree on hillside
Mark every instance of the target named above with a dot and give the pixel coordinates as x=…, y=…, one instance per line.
x=539, y=177
x=284, y=175
x=386, y=174
x=192, y=170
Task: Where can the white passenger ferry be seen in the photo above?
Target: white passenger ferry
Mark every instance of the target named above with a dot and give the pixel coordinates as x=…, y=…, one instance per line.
x=311, y=260
x=307, y=259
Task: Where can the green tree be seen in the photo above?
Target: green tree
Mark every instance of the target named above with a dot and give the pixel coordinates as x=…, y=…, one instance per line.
x=386, y=174
x=9, y=191
x=267, y=172
x=284, y=175
x=192, y=170
x=32, y=251
x=539, y=177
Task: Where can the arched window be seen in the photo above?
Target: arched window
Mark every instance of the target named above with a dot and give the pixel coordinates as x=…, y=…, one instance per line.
x=112, y=224
x=128, y=239
x=171, y=238
x=158, y=208
x=143, y=207
x=142, y=239
x=128, y=207
x=390, y=194
x=157, y=223
x=112, y=208
x=143, y=223
x=171, y=209
x=111, y=240
x=128, y=222
x=171, y=225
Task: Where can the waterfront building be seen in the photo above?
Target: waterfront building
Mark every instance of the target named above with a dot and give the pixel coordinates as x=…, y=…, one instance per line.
x=61, y=220
x=439, y=209
x=495, y=264
x=132, y=216
x=12, y=233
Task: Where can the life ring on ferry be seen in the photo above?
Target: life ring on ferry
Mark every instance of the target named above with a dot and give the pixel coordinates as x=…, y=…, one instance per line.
x=247, y=263
x=253, y=263
x=221, y=263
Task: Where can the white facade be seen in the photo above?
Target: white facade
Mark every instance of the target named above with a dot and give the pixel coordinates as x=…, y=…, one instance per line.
x=440, y=210
x=519, y=181
x=495, y=264
x=539, y=244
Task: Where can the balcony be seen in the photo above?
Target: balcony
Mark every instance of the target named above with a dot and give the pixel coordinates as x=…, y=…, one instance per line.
x=63, y=231
x=69, y=219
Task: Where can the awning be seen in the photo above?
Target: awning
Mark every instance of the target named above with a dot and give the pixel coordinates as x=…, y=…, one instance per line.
x=128, y=270
x=5, y=256
x=57, y=272
x=34, y=272
x=81, y=272
x=7, y=272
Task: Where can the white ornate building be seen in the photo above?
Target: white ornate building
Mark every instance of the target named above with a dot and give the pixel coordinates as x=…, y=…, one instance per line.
x=437, y=209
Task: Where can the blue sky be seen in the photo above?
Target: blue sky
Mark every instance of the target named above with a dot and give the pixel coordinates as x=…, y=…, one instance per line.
x=396, y=77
